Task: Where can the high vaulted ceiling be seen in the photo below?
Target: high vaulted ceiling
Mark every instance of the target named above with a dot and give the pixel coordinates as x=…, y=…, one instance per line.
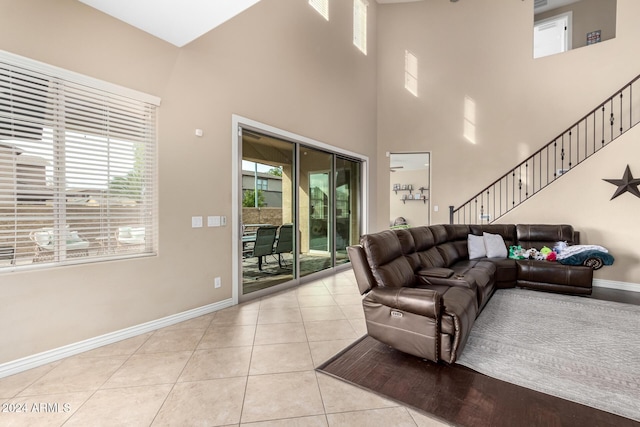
x=175, y=21
x=178, y=21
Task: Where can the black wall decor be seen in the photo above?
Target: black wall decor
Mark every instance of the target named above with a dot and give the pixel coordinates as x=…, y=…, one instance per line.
x=627, y=183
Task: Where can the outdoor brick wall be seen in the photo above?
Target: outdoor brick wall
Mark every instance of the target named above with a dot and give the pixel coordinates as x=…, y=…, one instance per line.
x=271, y=216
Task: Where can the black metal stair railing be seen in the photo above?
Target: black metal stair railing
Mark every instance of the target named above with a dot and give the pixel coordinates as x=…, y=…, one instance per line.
x=603, y=124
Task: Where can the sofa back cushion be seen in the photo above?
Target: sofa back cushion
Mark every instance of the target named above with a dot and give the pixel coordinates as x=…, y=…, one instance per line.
x=431, y=258
x=388, y=264
x=507, y=231
x=539, y=235
x=449, y=253
x=457, y=232
x=439, y=234
x=426, y=251
x=462, y=248
x=422, y=237
x=408, y=247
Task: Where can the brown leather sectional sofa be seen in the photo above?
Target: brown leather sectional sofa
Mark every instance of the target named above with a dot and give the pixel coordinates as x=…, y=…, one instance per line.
x=424, y=294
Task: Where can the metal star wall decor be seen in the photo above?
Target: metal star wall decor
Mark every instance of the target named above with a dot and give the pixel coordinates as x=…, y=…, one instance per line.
x=627, y=183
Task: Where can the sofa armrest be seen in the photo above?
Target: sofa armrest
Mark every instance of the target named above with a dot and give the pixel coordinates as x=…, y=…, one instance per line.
x=361, y=269
x=440, y=272
x=423, y=302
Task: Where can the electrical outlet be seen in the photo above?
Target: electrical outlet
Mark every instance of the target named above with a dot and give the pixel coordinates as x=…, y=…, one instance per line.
x=217, y=282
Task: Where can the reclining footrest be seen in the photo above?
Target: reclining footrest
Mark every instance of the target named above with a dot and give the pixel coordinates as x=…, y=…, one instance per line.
x=550, y=276
x=405, y=318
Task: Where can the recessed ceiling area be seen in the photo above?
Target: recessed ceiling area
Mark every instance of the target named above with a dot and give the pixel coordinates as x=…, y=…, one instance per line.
x=178, y=22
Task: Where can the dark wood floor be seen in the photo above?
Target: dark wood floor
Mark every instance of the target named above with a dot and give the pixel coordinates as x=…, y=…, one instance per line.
x=616, y=295
x=461, y=396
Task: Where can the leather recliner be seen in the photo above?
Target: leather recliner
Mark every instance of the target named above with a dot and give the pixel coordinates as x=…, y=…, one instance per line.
x=432, y=323
x=423, y=293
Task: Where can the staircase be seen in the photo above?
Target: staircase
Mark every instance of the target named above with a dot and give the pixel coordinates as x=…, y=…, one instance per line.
x=605, y=123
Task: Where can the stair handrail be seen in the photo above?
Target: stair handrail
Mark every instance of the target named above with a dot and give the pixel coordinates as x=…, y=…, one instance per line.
x=602, y=106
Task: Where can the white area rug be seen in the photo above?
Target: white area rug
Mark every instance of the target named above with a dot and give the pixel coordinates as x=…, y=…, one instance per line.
x=576, y=348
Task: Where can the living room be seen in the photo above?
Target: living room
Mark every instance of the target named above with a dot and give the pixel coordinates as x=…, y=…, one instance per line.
x=282, y=64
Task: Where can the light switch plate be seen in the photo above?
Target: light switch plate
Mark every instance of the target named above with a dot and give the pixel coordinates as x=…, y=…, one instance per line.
x=196, y=222
x=213, y=221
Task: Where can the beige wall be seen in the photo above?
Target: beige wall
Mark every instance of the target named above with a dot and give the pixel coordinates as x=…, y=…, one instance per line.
x=521, y=104
x=278, y=63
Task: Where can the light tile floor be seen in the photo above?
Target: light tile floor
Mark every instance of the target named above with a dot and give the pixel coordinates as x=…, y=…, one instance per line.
x=248, y=365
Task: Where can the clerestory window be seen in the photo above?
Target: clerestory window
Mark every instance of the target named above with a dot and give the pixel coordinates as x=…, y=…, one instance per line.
x=360, y=24
x=322, y=6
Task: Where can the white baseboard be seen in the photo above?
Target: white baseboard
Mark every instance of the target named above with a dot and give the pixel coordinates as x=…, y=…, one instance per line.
x=612, y=284
x=39, y=359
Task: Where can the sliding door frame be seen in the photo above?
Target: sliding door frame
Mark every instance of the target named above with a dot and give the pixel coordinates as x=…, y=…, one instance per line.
x=237, y=124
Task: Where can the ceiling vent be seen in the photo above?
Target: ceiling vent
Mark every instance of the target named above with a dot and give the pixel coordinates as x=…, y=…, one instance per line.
x=540, y=3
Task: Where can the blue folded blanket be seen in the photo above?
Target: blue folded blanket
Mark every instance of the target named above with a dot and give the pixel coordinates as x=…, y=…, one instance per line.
x=581, y=257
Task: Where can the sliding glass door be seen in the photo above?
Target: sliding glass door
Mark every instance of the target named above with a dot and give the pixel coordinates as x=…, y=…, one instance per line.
x=301, y=208
x=268, y=210
x=347, y=201
x=316, y=210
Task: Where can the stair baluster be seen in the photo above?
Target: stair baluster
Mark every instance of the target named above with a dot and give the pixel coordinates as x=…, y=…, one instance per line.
x=566, y=146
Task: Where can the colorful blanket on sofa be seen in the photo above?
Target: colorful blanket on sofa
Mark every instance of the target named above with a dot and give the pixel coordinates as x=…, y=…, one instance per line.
x=569, y=251
x=578, y=258
x=593, y=256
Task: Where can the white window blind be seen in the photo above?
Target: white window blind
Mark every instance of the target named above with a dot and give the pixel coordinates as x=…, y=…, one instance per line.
x=77, y=167
x=360, y=25
x=322, y=6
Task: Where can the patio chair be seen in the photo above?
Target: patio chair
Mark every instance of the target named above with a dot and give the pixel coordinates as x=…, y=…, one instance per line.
x=284, y=244
x=130, y=236
x=8, y=253
x=44, y=240
x=263, y=246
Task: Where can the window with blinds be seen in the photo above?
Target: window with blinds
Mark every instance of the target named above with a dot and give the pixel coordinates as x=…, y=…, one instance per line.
x=360, y=24
x=77, y=167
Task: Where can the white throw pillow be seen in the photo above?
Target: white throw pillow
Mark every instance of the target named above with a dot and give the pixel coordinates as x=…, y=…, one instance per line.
x=475, y=244
x=494, y=244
